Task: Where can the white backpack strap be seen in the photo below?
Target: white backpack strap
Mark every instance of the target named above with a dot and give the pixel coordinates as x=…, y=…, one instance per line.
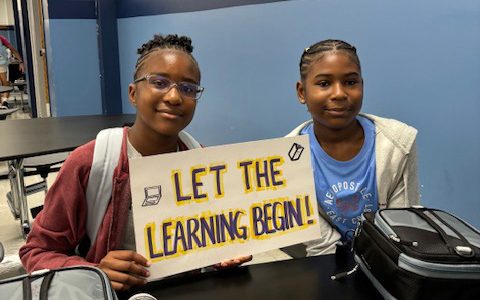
x=108, y=146
x=188, y=140
x=299, y=128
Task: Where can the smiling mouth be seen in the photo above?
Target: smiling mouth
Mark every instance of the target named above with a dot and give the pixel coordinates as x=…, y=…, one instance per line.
x=338, y=112
x=169, y=114
x=338, y=109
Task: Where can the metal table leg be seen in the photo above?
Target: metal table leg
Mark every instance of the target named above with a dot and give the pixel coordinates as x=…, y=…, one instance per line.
x=21, y=99
x=12, y=196
x=19, y=197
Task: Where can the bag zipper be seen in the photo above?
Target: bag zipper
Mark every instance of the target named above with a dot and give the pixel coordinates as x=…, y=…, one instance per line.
x=438, y=270
x=344, y=274
x=466, y=250
x=385, y=228
x=396, y=239
x=355, y=268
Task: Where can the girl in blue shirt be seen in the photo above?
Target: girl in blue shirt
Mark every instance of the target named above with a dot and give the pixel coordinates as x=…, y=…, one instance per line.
x=361, y=162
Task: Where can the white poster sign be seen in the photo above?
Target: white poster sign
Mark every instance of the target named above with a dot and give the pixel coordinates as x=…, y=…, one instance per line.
x=196, y=208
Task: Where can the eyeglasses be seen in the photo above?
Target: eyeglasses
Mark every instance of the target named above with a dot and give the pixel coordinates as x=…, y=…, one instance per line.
x=163, y=85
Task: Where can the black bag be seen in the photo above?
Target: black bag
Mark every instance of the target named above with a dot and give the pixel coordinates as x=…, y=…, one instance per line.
x=419, y=253
x=73, y=283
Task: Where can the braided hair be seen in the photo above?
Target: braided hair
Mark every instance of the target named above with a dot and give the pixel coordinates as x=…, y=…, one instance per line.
x=159, y=42
x=322, y=48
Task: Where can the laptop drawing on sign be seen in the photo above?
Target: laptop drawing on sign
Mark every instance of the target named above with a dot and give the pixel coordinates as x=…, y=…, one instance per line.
x=152, y=195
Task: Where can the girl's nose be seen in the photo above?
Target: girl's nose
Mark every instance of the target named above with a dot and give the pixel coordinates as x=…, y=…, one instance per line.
x=173, y=96
x=338, y=92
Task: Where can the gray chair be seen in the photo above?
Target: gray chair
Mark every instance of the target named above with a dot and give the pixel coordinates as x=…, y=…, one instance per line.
x=39, y=165
x=19, y=87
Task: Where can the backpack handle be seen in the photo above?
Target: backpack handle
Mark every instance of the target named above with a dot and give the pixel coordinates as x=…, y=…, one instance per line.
x=465, y=249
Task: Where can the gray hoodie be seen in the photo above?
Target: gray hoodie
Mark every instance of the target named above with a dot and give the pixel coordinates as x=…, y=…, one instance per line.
x=396, y=173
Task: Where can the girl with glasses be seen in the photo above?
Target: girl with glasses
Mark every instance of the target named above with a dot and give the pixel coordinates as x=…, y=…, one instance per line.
x=164, y=91
x=361, y=162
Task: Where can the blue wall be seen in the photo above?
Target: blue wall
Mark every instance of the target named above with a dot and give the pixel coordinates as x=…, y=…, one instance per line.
x=421, y=64
x=72, y=57
x=74, y=67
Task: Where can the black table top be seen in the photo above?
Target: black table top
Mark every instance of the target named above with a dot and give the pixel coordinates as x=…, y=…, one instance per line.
x=304, y=278
x=5, y=89
x=32, y=137
x=20, y=83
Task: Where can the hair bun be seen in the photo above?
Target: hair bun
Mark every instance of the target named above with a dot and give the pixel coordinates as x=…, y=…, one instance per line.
x=170, y=41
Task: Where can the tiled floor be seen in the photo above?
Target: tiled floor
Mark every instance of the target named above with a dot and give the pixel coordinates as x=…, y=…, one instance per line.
x=10, y=232
x=11, y=235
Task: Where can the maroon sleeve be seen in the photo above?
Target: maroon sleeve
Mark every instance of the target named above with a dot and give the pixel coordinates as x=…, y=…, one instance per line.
x=60, y=226
x=5, y=41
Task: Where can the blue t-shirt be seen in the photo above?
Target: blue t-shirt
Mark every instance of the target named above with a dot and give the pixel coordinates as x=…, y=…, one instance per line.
x=345, y=189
